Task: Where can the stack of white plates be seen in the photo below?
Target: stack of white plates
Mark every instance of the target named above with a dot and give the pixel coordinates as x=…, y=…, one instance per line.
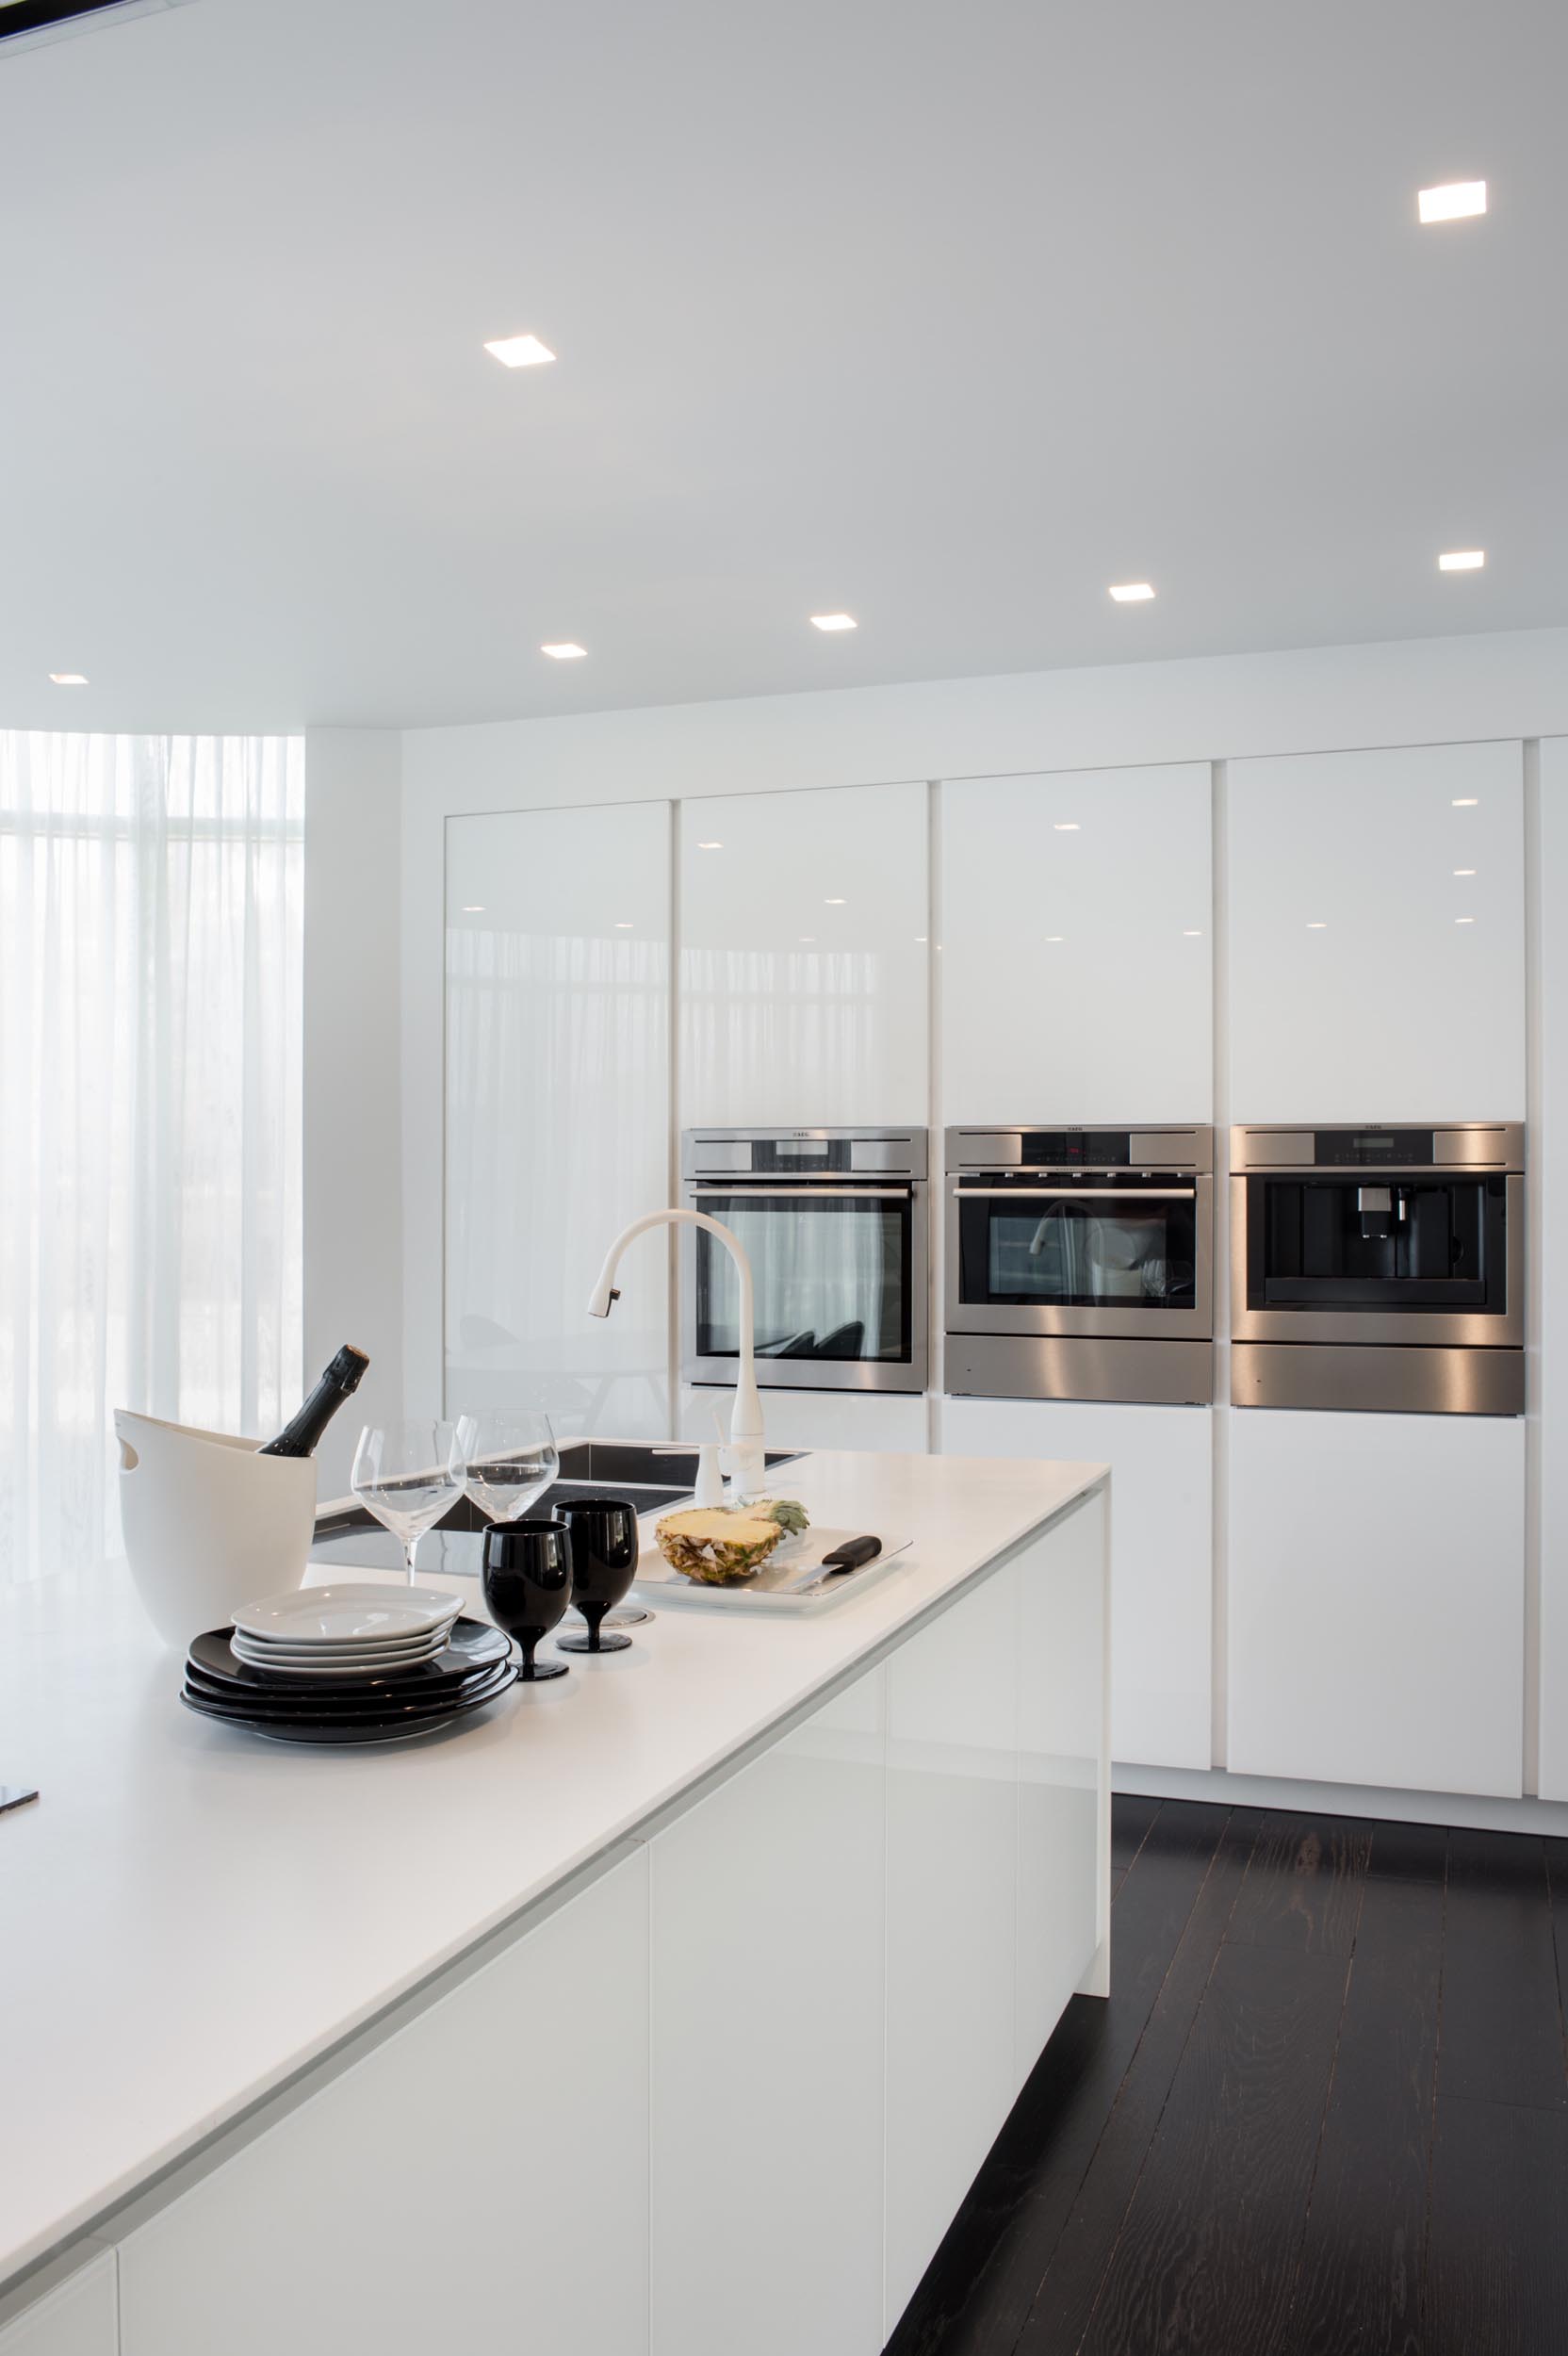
x=357, y=1629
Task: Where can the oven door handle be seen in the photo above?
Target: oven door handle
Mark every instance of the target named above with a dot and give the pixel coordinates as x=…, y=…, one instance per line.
x=803, y=1194
x=1074, y=1194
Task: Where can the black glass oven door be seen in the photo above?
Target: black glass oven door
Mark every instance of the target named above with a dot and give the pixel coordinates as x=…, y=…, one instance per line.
x=832, y=1271
x=1132, y=1249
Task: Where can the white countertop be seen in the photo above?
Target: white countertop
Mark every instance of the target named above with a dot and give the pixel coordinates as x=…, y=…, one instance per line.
x=189, y=1915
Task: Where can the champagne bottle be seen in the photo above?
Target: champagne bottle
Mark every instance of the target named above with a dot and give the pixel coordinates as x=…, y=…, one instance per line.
x=301, y=1435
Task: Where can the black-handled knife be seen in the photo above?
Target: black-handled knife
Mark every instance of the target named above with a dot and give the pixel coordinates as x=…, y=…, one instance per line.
x=850, y=1556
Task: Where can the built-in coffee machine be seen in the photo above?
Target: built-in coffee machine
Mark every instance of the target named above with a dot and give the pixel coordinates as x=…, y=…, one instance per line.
x=1378, y=1268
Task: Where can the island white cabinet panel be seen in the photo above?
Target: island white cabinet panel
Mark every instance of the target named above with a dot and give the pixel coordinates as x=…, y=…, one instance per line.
x=888, y=1421
x=1077, y=958
x=78, y=2316
x=1356, y=990
x=557, y=1112
x=1547, y=1363
x=952, y=1896
x=1376, y=1600
x=478, y=2182
x=1162, y=1551
x=768, y=2013
x=804, y=958
x=1061, y=1609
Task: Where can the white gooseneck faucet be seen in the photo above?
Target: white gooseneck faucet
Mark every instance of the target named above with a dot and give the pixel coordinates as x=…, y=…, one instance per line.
x=748, y=1461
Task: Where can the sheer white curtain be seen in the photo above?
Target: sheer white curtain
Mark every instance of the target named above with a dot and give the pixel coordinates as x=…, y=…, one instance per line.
x=150, y=1082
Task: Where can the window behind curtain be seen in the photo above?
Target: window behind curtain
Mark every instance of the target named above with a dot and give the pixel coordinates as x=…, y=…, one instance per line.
x=150, y=897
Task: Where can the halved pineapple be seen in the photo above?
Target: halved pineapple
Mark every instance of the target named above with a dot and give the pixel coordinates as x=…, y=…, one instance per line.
x=716, y=1546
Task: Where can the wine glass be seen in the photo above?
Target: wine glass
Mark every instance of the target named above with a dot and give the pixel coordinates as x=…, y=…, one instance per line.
x=528, y=1585
x=403, y=1473
x=504, y=1461
x=604, y=1563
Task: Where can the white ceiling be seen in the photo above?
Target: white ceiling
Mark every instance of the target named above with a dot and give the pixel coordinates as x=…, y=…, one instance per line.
x=948, y=312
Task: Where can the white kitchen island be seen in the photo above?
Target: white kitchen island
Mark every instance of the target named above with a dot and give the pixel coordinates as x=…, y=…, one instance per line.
x=666, y=2009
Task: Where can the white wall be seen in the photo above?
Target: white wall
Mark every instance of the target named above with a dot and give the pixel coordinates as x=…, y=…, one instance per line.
x=353, y=1234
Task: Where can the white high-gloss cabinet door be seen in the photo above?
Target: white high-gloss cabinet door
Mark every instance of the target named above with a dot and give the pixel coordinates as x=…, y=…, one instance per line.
x=952, y=1889
x=804, y=959
x=1060, y=1588
x=767, y=2051
x=1376, y=1600
x=1548, y=1341
x=478, y=2182
x=1377, y=968
x=1161, y=1552
x=78, y=2317
x=1076, y=962
x=557, y=1112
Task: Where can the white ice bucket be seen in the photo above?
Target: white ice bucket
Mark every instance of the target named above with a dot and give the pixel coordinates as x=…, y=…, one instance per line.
x=209, y=1524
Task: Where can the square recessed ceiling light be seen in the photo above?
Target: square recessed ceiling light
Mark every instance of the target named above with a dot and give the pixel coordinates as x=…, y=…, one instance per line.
x=834, y=621
x=564, y=650
x=1133, y=592
x=520, y=352
x=1456, y=200
x=68, y=678
x=1462, y=561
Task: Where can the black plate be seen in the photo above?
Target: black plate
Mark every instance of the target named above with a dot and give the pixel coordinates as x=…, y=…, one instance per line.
x=290, y=1701
x=409, y=1720
x=472, y=1644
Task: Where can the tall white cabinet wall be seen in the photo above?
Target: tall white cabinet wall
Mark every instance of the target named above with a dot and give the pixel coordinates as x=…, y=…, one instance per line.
x=1077, y=958
x=557, y=1111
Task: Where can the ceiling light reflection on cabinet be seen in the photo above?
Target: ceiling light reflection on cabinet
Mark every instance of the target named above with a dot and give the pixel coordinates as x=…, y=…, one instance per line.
x=1464, y=871
x=1456, y=200
x=520, y=351
x=808, y=938
x=1133, y=592
x=1464, y=919
x=1067, y=826
x=68, y=678
x=473, y=908
x=1465, y=801
x=834, y=621
x=1052, y=941
x=1316, y=925
x=564, y=650
x=709, y=846
x=624, y=924
x=833, y=903
x=1193, y=933
x=1462, y=561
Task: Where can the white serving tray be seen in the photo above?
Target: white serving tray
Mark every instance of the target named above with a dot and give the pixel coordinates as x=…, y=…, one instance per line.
x=659, y=1586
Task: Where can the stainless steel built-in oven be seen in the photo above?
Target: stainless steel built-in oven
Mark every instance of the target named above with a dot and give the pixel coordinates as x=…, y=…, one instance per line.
x=834, y=1223
x=1378, y=1268
x=1080, y=1264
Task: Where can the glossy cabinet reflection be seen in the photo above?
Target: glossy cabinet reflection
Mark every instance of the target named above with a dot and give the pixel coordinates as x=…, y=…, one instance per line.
x=480, y=2181
x=1377, y=1599
x=804, y=957
x=953, y=1848
x=768, y=1935
x=1061, y=1605
x=1076, y=962
x=557, y=1112
x=829, y=1419
x=1377, y=958
x=1162, y=1547
x=78, y=2316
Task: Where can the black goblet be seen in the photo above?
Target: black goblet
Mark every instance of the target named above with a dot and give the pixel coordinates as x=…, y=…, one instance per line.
x=604, y=1563
x=528, y=1585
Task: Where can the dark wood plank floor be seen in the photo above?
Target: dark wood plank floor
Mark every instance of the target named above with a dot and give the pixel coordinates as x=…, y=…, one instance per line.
x=1325, y=2112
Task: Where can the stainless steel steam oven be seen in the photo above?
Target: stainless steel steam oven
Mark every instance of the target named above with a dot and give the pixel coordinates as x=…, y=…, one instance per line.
x=834, y=1223
x=1080, y=1264
x=1378, y=1268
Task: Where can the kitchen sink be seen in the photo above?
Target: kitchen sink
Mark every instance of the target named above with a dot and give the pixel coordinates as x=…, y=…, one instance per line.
x=347, y=1534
